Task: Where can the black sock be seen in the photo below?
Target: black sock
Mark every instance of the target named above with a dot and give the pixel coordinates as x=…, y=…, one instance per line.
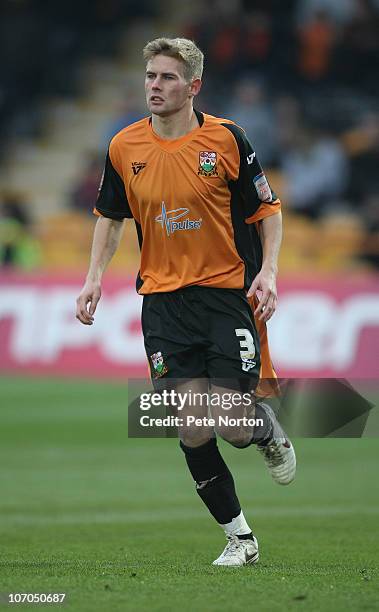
x=262, y=433
x=214, y=482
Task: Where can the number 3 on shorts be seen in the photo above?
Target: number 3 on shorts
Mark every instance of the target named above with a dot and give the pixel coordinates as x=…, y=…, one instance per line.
x=246, y=343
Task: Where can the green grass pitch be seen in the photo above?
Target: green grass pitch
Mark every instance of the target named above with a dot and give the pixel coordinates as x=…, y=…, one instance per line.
x=116, y=524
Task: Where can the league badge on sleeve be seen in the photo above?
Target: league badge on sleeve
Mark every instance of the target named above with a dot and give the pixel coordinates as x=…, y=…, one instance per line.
x=262, y=187
x=159, y=366
x=207, y=163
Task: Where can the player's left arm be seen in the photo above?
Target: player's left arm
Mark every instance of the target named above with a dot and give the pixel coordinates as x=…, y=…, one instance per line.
x=261, y=207
x=265, y=281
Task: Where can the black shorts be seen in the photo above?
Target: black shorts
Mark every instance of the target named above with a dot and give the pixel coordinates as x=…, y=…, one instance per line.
x=201, y=332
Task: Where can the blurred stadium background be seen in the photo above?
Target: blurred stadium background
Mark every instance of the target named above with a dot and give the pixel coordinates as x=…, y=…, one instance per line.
x=301, y=77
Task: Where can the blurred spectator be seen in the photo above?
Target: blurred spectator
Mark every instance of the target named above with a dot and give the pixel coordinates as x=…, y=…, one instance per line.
x=18, y=248
x=288, y=120
x=128, y=112
x=251, y=109
x=255, y=53
x=41, y=47
x=370, y=212
x=217, y=29
x=316, y=172
x=84, y=194
x=363, y=145
x=257, y=40
x=358, y=54
x=338, y=10
x=224, y=47
x=317, y=38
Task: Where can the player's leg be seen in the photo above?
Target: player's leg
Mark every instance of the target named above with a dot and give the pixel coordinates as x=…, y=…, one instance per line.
x=278, y=453
x=170, y=325
x=177, y=363
x=243, y=426
x=234, y=357
x=233, y=363
x=194, y=429
x=213, y=479
x=215, y=486
x=173, y=326
x=238, y=418
x=180, y=329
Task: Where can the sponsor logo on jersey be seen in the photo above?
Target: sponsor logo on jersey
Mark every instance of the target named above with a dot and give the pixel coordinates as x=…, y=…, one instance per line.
x=250, y=158
x=158, y=364
x=207, y=163
x=138, y=166
x=169, y=220
x=262, y=187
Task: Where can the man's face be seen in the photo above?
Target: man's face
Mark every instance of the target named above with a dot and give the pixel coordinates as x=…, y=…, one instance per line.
x=166, y=89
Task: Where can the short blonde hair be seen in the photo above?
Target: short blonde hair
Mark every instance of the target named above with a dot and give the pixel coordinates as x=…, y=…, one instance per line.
x=183, y=49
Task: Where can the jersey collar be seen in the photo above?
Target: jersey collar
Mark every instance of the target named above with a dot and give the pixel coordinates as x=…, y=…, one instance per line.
x=173, y=145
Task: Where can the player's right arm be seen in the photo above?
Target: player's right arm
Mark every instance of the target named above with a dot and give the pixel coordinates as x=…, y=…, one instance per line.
x=106, y=239
x=112, y=207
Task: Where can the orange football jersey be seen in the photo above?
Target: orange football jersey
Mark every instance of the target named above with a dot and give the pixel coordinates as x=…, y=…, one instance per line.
x=195, y=201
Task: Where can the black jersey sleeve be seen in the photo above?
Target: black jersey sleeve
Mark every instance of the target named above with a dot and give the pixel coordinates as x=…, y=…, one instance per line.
x=112, y=201
x=252, y=184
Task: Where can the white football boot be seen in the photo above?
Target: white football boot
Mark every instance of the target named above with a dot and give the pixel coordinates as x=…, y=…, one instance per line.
x=278, y=453
x=238, y=552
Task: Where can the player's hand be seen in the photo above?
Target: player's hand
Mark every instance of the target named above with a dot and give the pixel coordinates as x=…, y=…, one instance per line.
x=87, y=302
x=265, y=284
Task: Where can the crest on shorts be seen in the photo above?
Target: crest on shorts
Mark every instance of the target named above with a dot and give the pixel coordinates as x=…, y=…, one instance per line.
x=158, y=364
x=207, y=163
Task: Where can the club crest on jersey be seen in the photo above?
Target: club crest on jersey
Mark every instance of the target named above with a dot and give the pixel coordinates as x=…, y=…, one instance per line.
x=158, y=364
x=207, y=163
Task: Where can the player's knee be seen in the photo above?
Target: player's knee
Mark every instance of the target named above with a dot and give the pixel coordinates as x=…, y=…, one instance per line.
x=194, y=437
x=235, y=436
